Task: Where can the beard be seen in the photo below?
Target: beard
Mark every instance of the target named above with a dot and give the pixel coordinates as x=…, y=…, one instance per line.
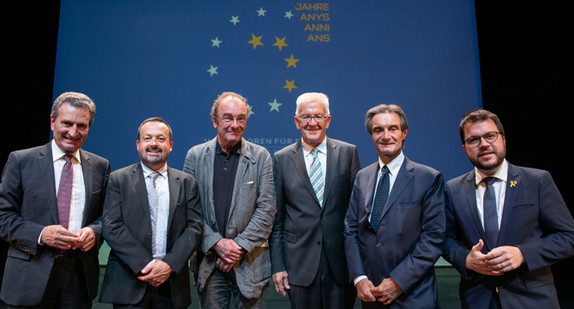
x=488, y=166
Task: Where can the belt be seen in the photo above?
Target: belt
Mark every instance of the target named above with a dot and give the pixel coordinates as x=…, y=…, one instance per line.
x=66, y=253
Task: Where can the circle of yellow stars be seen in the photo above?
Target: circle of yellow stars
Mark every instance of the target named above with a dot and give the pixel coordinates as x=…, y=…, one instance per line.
x=257, y=41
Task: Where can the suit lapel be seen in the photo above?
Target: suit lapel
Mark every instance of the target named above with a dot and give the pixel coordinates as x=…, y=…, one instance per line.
x=332, y=155
x=510, y=196
x=174, y=185
x=46, y=165
x=245, y=162
x=372, y=181
x=404, y=177
x=87, y=170
x=299, y=162
x=470, y=196
x=138, y=182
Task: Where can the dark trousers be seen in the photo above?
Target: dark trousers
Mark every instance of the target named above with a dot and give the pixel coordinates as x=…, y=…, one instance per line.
x=154, y=297
x=324, y=291
x=221, y=292
x=66, y=287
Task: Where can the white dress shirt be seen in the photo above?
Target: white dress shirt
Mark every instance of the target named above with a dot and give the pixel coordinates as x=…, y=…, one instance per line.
x=322, y=153
x=78, y=201
x=163, y=209
x=499, y=186
x=394, y=167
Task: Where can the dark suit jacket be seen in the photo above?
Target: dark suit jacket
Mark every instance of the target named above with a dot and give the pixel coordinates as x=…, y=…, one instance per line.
x=535, y=218
x=302, y=226
x=127, y=229
x=410, y=235
x=27, y=205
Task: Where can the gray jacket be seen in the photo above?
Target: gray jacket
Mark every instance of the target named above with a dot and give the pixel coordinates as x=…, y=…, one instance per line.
x=251, y=214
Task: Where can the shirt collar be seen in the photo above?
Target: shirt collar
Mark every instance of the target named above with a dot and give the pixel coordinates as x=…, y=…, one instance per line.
x=235, y=149
x=395, y=165
x=501, y=173
x=147, y=171
x=57, y=153
x=322, y=148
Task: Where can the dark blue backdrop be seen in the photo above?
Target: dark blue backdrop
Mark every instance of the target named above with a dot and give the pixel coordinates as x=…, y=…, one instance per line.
x=171, y=58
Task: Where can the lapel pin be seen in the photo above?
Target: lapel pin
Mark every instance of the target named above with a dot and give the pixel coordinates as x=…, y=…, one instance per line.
x=513, y=183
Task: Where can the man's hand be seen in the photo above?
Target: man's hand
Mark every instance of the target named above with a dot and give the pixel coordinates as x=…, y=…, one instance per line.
x=387, y=291
x=86, y=239
x=155, y=273
x=476, y=261
x=228, y=250
x=281, y=282
x=58, y=237
x=222, y=265
x=364, y=290
x=504, y=259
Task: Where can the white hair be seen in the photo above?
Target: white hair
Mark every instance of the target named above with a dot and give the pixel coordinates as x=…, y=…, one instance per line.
x=313, y=97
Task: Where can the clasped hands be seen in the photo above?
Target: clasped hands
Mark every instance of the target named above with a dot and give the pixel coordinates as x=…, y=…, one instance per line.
x=386, y=292
x=58, y=237
x=496, y=262
x=155, y=273
x=228, y=252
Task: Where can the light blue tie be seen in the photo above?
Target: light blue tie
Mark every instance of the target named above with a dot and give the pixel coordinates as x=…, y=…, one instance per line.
x=317, y=176
x=153, y=199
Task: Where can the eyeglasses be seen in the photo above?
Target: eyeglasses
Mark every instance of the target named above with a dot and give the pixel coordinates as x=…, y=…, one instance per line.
x=241, y=119
x=489, y=137
x=307, y=118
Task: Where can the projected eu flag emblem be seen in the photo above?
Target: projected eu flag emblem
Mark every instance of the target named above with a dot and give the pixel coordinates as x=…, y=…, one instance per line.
x=171, y=58
x=271, y=37
x=267, y=53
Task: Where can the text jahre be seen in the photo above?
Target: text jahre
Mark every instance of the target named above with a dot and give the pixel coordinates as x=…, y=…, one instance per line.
x=312, y=6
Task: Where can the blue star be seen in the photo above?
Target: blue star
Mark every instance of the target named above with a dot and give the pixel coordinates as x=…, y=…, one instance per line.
x=274, y=105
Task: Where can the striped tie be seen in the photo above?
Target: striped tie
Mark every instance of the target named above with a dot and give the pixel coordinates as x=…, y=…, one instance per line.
x=153, y=207
x=317, y=176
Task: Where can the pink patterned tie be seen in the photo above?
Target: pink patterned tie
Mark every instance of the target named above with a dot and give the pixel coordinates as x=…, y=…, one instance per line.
x=65, y=192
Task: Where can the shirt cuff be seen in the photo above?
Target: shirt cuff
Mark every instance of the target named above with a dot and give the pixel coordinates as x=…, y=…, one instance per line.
x=359, y=278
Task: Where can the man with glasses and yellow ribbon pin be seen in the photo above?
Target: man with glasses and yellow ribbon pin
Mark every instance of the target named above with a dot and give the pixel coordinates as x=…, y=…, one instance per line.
x=506, y=224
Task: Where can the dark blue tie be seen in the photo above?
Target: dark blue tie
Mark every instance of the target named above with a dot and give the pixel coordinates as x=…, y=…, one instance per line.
x=490, y=215
x=381, y=195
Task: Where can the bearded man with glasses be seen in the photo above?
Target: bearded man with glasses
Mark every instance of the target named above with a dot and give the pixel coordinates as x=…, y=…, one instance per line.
x=506, y=224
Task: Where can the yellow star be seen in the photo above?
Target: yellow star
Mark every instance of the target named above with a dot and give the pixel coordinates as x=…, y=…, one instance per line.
x=255, y=40
x=291, y=62
x=280, y=43
x=290, y=85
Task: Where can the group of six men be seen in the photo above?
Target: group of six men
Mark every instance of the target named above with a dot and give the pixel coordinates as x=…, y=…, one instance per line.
x=323, y=229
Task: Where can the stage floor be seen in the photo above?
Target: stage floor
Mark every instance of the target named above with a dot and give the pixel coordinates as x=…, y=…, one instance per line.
x=447, y=278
